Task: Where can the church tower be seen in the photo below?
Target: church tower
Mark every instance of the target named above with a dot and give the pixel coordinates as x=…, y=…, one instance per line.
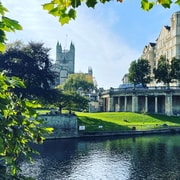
x=65, y=62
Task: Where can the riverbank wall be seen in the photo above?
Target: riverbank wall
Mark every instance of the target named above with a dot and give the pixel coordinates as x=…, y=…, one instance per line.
x=169, y=130
x=66, y=126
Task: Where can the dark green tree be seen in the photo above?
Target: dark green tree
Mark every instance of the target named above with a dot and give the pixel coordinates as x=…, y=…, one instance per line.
x=68, y=100
x=32, y=64
x=139, y=72
x=163, y=72
x=175, y=68
x=79, y=103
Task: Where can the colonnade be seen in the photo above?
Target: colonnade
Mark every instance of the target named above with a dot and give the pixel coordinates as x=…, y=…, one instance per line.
x=143, y=100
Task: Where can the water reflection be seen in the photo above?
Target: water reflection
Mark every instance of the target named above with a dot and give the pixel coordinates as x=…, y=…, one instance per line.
x=148, y=158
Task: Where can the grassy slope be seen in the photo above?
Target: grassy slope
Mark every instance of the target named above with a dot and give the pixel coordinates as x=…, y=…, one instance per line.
x=114, y=121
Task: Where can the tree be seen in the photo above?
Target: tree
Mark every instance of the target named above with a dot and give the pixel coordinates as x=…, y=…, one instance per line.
x=163, y=72
x=175, y=68
x=139, y=72
x=19, y=125
x=79, y=102
x=68, y=100
x=32, y=64
x=79, y=81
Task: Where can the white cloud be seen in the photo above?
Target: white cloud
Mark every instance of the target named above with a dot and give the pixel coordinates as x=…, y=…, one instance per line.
x=96, y=44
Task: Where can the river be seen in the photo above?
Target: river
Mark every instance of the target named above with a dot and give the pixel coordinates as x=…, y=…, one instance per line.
x=155, y=157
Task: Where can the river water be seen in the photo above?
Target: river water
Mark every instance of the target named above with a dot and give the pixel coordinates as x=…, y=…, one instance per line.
x=154, y=157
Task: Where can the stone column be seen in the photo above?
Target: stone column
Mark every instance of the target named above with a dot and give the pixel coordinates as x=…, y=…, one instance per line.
x=156, y=104
x=119, y=103
x=134, y=103
x=168, y=104
x=111, y=104
x=125, y=103
x=146, y=104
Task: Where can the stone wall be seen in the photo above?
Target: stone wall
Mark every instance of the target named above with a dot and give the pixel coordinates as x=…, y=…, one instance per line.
x=64, y=125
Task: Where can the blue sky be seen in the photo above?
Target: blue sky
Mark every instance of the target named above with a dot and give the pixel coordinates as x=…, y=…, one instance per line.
x=106, y=38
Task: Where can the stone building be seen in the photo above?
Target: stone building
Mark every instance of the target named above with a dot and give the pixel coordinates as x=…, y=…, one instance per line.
x=65, y=62
x=167, y=44
x=144, y=100
x=154, y=98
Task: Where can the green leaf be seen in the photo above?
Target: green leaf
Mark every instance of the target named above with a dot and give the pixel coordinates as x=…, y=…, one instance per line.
x=165, y=3
x=49, y=130
x=2, y=9
x=2, y=47
x=10, y=24
x=75, y=3
x=146, y=5
x=72, y=13
x=104, y=1
x=2, y=36
x=48, y=6
x=64, y=19
x=55, y=12
x=178, y=2
x=17, y=82
x=91, y=3
x=1, y=146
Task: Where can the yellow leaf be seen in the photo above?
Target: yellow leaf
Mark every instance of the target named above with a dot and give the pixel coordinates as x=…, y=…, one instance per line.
x=2, y=47
x=48, y=6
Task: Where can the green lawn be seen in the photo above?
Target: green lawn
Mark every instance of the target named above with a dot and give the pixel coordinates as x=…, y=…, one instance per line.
x=115, y=121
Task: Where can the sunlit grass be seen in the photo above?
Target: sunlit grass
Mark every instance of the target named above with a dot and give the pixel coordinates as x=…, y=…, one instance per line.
x=114, y=121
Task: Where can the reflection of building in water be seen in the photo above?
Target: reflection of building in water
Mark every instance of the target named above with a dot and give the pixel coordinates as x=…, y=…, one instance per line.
x=65, y=62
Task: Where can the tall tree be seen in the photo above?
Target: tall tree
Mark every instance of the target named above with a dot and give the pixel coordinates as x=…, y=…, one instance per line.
x=163, y=72
x=139, y=72
x=32, y=64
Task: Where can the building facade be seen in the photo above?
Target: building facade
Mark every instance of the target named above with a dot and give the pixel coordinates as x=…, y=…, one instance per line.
x=167, y=44
x=65, y=63
x=155, y=98
x=142, y=100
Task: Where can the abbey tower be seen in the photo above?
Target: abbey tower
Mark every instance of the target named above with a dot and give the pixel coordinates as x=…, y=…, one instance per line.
x=65, y=62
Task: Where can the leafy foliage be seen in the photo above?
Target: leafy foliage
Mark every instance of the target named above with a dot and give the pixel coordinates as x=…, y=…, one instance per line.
x=68, y=100
x=175, y=68
x=166, y=72
x=19, y=125
x=139, y=72
x=65, y=10
x=79, y=81
x=6, y=25
x=163, y=72
x=32, y=64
